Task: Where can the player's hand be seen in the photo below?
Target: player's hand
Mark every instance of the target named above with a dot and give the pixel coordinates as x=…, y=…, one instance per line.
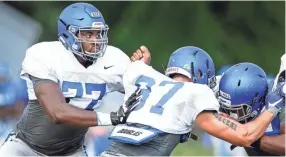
x=122, y=114
x=142, y=54
x=276, y=97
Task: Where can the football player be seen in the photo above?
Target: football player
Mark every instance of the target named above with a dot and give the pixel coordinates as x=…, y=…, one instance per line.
x=171, y=105
x=245, y=104
x=66, y=81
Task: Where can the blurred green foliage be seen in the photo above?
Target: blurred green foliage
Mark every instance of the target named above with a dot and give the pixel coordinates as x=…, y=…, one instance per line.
x=231, y=32
x=192, y=148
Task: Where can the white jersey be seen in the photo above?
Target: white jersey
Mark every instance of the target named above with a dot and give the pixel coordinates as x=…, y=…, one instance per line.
x=87, y=86
x=281, y=70
x=167, y=105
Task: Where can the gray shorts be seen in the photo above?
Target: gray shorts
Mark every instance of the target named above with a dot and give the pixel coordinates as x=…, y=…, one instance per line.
x=162, y=145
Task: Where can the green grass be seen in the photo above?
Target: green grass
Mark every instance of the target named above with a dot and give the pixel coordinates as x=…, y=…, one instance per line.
x=192, y=148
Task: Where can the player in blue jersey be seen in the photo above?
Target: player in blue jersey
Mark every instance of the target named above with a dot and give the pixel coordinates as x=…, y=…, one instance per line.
x=242, y=94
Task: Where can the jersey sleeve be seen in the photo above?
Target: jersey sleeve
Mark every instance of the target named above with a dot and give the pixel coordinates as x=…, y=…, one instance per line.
x=129, y=78
x=204, y=100
x=281, y=75
x=38, y=64
x=135, y=70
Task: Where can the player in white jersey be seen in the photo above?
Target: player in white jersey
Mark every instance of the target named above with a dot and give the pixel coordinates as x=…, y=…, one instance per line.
x=66, y=81
x=170, y=107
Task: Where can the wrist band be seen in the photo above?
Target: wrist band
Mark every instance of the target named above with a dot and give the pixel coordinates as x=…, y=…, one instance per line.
x=273, y=110
x=103, y=118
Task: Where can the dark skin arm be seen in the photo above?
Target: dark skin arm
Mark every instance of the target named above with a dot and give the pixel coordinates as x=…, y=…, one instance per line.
x=53, y=103
x=232, y=131
x=274, y=144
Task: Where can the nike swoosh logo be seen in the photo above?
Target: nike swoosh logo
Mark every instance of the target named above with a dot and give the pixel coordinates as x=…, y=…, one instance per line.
x=107, y=67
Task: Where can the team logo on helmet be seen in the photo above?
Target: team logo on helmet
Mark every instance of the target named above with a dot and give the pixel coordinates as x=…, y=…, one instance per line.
x=72, y=29
x=225, y=95
x=95, y=14
x=97, y=25
x=172, y=70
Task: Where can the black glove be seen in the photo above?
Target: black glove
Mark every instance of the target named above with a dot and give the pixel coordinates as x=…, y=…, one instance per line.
x=121, y=116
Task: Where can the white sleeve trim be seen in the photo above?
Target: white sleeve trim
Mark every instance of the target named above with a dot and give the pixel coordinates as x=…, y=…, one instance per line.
x=197, y=112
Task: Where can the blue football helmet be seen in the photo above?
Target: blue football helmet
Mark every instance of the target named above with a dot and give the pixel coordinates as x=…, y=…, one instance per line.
x=242, y=91
x=78, y=18
x=194, y=63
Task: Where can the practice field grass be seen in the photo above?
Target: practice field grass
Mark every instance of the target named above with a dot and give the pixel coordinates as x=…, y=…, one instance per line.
x=192, y=148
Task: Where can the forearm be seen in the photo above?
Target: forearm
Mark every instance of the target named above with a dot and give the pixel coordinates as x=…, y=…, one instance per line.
x=222, y=127
x=273, y=144
x=257, y=127
x=231, y=130
x=68, y=114
x=55, y=106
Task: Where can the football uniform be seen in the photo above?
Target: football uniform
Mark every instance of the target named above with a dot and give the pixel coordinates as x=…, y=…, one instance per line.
x=166, y=110
x=82, y=87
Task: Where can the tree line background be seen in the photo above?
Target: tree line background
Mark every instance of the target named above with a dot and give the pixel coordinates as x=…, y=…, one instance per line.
x=231, y=32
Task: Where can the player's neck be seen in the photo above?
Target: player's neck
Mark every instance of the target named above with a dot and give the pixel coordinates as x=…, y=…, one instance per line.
x=83, y=62
x=181, y=78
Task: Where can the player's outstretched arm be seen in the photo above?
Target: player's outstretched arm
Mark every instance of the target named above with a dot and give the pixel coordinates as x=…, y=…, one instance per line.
x=238, y=134
x=230, y=130
x=53, y=103
x=274, y=144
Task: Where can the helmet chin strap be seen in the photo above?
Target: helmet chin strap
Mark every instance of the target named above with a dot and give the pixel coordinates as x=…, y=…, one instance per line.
x=84, y=58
